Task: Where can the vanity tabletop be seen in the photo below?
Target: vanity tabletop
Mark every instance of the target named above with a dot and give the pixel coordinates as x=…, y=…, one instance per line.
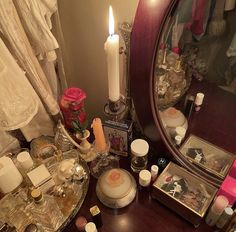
x=143, y=214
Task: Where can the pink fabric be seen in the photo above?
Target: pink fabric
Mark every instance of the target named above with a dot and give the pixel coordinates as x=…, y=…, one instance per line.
x=232, y=171
x=228, y=189
x=199, y=16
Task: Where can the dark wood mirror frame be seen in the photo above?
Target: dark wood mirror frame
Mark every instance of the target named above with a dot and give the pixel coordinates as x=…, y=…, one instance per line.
x=147, y=28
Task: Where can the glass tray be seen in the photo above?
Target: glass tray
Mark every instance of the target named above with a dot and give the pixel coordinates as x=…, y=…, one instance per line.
x=13, y=204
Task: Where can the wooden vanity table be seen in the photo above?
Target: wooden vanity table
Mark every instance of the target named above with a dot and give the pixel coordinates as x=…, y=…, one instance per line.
x=143, y=214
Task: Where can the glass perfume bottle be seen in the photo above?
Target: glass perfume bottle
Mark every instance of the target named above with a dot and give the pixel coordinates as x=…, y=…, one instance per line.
x=172, y=56
x=178, y=80
x=162, y=82
x=45, y=211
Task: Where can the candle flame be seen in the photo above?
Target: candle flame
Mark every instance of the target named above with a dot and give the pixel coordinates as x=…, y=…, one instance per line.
x=111, y=22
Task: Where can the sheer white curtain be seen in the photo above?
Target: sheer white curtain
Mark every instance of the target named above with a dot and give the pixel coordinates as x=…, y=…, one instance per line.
x=25, y=27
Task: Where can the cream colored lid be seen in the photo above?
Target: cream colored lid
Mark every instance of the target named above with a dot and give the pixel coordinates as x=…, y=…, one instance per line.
x=115, y=183
x=145, y=175
x=139, y=147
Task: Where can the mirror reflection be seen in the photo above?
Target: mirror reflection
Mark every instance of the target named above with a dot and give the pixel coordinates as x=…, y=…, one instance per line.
x=195, y=83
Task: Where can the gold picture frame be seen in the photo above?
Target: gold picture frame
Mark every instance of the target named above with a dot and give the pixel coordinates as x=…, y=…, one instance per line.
x=185, y=193
x=207, y=156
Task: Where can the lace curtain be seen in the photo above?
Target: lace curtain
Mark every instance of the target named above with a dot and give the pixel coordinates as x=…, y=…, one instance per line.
x=29, y=84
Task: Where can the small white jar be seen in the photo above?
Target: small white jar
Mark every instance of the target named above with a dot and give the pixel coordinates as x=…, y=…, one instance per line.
x=139, y=151
x=145, y=178
x=90, y=227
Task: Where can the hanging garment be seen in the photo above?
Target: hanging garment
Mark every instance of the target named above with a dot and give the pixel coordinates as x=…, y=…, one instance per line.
x=20, y=107
x=232, y=48
x=200, y=18
x=7, y=143
x=217, y=24
x=40, y=125
x=18, y=101
x=35, y=17
x=229, y=5
x=13, y=31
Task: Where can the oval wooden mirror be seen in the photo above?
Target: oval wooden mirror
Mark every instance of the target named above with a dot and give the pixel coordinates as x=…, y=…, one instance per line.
x=179, y=49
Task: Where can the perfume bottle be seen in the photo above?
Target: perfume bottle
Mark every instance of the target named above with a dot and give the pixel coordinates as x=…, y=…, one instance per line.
x=172, y=57
x=162, y=82
x=45, y=211
x=160, y=53
x=178, y=80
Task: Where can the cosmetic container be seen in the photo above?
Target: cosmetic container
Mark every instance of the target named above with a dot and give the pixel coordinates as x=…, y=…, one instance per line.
x=90, y=227
x=198, y=101
x=154, y=172
x=189, y=102
x=217, y=208
x=80, y=223
x=144, y=178
x=226, y=215
x=96, y=215
x=178, y=140
x=139, y=151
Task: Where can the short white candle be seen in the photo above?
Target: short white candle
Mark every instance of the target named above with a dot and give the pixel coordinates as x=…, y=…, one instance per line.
x=10, y=177
x=111, y=47
x=25, y=160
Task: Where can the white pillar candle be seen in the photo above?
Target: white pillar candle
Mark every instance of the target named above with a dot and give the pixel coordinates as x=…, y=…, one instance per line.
x=10, y=177
x=25, y=160
x=111, y=47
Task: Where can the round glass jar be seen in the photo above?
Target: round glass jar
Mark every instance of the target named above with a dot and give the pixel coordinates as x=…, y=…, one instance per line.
x=139, y=151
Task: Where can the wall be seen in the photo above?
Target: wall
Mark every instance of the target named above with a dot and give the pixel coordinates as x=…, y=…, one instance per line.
x=85, y=28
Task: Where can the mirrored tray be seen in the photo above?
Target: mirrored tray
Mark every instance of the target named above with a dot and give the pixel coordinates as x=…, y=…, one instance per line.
x=14, y=204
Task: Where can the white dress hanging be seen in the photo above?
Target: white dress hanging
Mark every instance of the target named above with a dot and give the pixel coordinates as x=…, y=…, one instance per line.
x=13, y=31
x=18, y=101
x=35, y=15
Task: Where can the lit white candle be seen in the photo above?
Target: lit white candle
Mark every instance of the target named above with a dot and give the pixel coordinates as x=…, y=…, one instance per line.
x=111, y=47
x=10, y=177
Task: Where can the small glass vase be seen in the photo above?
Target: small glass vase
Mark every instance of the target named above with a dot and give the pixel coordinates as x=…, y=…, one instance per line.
x=103, y=162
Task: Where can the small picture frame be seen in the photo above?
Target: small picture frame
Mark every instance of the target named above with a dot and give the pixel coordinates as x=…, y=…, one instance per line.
x=185, y=193
x=207, y=156
x=119, y=135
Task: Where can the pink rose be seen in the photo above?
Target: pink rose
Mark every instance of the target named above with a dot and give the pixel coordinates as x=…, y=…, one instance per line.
x=74, y=94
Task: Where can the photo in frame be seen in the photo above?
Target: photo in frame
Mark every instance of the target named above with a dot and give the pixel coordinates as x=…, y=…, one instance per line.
x=185, y=193
x=207, y=155
x=119, y=134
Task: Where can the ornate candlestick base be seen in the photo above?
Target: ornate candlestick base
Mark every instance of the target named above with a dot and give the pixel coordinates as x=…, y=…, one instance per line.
x=115, y=110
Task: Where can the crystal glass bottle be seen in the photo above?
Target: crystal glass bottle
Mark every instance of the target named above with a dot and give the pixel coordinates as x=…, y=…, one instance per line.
x=178, y=80
x=45, y=211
